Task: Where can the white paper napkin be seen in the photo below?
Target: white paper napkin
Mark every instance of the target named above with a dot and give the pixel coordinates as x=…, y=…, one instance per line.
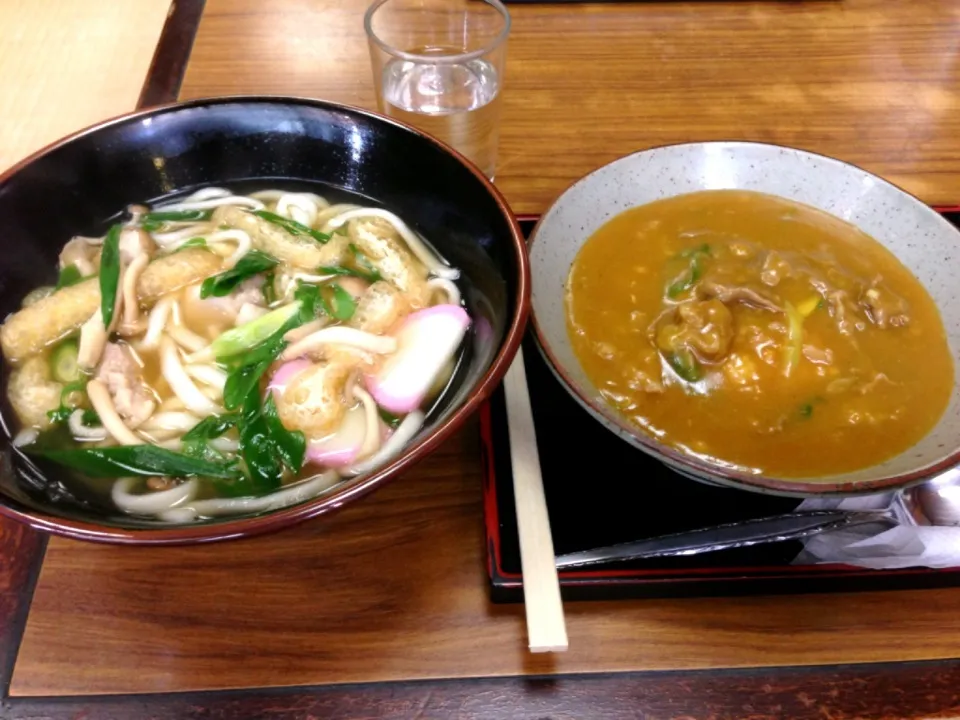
x=899, y=543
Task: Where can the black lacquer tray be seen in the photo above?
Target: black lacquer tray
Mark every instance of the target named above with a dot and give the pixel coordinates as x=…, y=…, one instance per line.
x=591, y=506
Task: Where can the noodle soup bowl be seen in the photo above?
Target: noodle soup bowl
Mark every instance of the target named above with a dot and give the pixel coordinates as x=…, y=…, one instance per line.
x=81, y=184
x=916, y=234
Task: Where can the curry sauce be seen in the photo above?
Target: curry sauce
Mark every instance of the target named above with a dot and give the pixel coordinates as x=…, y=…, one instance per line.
x=758, y=333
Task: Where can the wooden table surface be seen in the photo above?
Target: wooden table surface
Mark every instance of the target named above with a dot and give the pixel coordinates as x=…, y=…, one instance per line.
x=872, y=82
x=393, y=589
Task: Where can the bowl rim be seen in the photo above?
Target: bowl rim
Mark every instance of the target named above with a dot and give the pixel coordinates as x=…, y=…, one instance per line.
x=800, y=487
x=328, y=502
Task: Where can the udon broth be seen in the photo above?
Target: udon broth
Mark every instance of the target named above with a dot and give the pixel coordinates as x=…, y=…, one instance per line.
x=759, y=333
x=228, y=353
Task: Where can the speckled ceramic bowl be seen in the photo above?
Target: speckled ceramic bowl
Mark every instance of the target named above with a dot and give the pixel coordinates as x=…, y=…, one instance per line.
x=920, y=238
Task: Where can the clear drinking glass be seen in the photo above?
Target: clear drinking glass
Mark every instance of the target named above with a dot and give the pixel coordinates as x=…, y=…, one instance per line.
x=438, y=65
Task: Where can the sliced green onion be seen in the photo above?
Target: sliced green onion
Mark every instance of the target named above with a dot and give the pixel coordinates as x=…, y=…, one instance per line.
x=91, y=419
x=685, y=365
x=109, y=274
x=245, y=337
x=699, y=250
x=693, y=273
x=63, y=362
x=63, y=412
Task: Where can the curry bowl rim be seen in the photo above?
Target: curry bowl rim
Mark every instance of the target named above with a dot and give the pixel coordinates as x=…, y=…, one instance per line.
x=691, y=466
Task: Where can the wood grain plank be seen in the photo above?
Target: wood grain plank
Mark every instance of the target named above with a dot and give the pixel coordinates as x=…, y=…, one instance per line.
x=394, y=588
x=873, y=82
x=900, y=692
x=62, y=71
x=21, y=554
x=69, y=64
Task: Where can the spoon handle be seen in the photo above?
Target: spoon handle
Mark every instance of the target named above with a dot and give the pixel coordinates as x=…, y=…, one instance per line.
x=778, y=528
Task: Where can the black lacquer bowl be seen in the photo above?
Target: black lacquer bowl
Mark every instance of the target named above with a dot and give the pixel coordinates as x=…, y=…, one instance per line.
x=76, y=185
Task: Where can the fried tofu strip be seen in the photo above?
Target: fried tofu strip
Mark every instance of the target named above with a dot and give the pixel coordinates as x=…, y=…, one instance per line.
x=299, y=251
x=31, y=329
x=381, y=244
x=33, y=392
x=380, y=308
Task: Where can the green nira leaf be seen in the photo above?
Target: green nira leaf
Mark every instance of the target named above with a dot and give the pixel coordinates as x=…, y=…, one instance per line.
x=250, y=366
x=264, y=468
x=193, y=243
x=153, y=221
x=806, y=410
x=127, y=460
x=266, y=445
x=109, y=274
x=362, y=267
x=70, y=275
x=196, y=442
x=290, y=445
x=246, y=379
x=341, y=304
x=344, y=271
x=393, y=421
x=211, y=427
x=331, y=299
x=253, y=263
x=269, y=289
x=309, y=298
x=364, y=263
x=91, y=419
x=291, y=226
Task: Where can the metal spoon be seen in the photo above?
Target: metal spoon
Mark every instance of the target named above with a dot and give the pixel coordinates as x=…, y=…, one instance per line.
x=936, y=502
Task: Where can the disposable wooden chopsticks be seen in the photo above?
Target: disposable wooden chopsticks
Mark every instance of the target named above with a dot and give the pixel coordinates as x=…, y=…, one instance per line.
x=546, y=628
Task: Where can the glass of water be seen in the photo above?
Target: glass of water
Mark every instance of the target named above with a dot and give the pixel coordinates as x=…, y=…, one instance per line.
x=438, y=65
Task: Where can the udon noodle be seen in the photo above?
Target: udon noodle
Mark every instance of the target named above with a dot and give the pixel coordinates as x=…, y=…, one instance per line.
x=226, y=353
